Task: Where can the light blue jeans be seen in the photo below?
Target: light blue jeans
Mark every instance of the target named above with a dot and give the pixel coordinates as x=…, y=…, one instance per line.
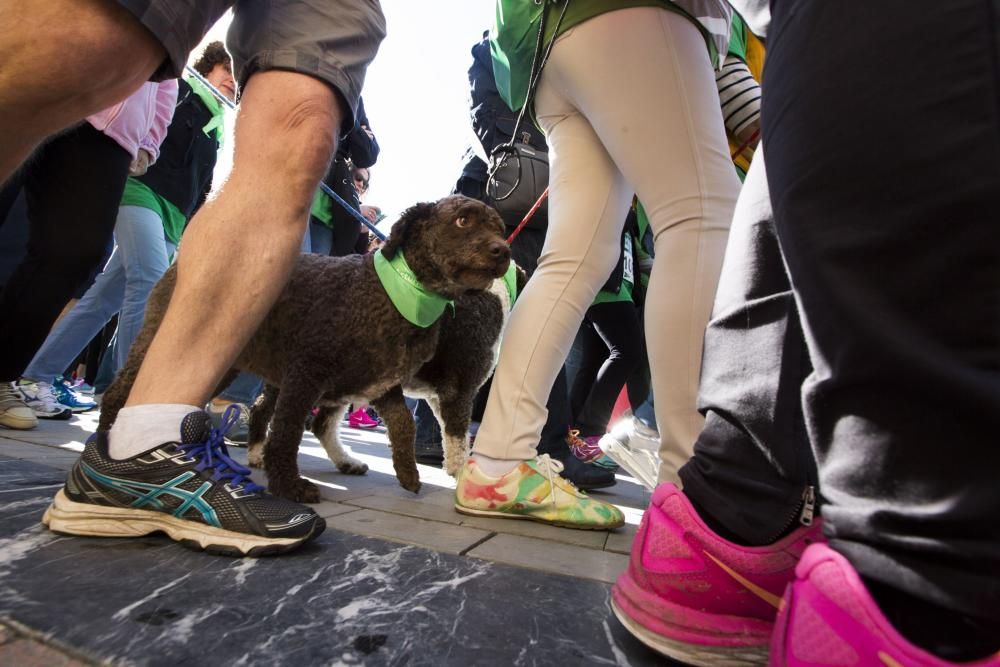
x=141, y=255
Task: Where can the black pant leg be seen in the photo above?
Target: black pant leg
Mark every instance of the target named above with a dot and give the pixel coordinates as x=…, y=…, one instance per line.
x=589, y=352
x=882, y=132
x=617, y=327
x=73, y=186
x=427, y=428
x=752, y=461
x=553, y=437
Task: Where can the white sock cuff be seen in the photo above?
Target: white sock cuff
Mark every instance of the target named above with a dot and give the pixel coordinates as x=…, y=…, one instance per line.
x=140, y=428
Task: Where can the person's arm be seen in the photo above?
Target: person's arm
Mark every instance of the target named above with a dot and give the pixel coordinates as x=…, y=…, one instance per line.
x=360, y=143
x=166, y=101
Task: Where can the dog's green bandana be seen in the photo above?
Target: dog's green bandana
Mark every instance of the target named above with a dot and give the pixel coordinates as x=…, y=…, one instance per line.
x=510, y=281
x=416, y=303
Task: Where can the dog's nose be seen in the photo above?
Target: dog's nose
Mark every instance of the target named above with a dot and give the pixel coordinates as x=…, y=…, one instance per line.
x=499, y=250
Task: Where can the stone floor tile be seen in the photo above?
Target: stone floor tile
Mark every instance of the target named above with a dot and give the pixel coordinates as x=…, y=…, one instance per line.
x=548, y=556
x=327, y=508
x=432, y=534
x=592, y=539
x=422, y=506
x=29, y=653
x=620, y=541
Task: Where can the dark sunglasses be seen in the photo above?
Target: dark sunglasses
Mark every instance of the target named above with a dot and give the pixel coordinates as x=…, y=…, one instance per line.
x=362, y=181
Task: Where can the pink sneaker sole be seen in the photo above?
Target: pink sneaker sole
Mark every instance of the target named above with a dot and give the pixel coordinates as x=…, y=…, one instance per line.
x=704, y=639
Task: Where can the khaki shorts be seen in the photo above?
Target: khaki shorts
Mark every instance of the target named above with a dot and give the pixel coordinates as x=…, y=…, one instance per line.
x=332, y=40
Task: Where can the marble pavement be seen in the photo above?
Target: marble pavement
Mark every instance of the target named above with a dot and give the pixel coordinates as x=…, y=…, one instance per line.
x=397, y=579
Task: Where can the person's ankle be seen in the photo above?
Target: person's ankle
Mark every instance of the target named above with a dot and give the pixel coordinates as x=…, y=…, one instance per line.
x=494, y=467
x=945, y=633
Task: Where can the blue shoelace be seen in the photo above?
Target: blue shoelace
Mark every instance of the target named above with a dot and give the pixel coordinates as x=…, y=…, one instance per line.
x=213, y=455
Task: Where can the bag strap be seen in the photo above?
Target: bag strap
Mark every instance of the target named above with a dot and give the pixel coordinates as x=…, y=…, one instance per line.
x=538, y=61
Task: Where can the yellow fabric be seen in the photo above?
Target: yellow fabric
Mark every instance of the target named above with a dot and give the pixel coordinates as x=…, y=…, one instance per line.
x=755, y=62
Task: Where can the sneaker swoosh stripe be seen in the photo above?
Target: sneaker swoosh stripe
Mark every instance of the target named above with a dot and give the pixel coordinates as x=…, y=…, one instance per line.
x=764, y=594
x=888, y=660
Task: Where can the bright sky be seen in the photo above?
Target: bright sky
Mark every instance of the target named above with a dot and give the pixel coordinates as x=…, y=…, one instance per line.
x=417, y=98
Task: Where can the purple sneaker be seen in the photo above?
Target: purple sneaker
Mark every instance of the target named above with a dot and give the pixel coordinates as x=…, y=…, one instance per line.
x=829, y=618
x=700, y=599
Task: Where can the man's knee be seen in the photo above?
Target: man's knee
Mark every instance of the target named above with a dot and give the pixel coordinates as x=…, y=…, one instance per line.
x=299, y=115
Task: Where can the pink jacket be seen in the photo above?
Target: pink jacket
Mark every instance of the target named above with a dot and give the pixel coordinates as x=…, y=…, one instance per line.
x=140, y=121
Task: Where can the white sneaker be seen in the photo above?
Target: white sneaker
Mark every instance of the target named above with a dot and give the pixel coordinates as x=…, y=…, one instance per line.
x=636, y=448
x=13, y=412
x=42, y=400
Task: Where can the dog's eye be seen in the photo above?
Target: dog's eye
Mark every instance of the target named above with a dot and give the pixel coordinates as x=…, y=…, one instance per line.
x=462, y=222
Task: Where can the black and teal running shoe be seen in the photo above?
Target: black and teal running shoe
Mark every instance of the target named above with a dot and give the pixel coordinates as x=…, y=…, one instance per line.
x=191, y=490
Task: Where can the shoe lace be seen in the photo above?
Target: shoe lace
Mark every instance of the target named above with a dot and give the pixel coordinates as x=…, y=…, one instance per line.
x=549, y=466
x=213, y=455
x=587, y=448
x=45, y=392
x=9, y=396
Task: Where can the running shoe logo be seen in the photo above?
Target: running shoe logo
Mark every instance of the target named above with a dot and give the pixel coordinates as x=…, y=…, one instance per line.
x=147, y=496
x=764, y=594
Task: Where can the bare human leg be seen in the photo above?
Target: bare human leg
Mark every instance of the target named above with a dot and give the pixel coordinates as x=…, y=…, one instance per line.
x=42, y=90
x=285, y=135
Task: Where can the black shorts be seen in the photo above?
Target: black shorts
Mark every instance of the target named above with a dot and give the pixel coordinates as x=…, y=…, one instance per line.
x=332, y=40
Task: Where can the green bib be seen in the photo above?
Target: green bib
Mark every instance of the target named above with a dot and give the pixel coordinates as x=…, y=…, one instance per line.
x=414, y=302
x=510, y=281
x=214, y=124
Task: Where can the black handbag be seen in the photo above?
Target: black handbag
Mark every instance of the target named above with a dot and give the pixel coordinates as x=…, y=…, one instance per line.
x=518, y=172
x=516, y=182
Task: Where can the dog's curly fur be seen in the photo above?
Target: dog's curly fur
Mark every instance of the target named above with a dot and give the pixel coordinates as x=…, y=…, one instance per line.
x=334, y=338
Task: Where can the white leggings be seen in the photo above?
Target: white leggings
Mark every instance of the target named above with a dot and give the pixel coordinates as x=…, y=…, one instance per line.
x=629, y=105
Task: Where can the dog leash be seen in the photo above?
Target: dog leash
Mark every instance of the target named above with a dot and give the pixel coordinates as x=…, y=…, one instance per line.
x=322, y=186
x=524, y=221
x=746, y=144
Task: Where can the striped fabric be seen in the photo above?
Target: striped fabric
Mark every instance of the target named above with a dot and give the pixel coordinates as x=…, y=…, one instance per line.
x=739, y=94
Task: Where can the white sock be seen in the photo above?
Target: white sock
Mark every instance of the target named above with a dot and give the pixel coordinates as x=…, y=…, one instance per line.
x=144, y=427
x=492, y=467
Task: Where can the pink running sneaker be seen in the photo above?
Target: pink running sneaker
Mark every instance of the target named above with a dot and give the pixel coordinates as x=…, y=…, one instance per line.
x=361, y=419
x=828, y=618
x=698, y=598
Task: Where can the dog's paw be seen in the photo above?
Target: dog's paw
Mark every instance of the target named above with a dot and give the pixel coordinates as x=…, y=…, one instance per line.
x=352, y=467
x=410, y=484
x=454, y=463
x=255, y=455
x=300, y=490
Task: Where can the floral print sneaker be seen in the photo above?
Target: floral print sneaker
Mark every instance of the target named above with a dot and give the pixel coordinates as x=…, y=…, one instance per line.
x=533, y=490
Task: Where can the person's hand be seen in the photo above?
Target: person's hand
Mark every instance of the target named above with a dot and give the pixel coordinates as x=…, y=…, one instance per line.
x=370, y=212
x=141, y=163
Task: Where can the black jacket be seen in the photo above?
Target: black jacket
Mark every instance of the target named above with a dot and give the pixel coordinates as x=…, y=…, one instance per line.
x=356, y=148
x=492, y=120
x=183, y=173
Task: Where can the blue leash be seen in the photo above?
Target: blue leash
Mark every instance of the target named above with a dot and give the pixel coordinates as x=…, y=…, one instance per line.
x=322, y=186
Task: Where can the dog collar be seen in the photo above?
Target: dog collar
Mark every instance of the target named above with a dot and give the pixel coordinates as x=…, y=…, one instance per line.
x=414, y=302
x=510, y=281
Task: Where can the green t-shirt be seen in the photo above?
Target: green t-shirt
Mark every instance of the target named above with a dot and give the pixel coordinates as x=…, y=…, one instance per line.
x=138, y=193
x=513, y=38
x=633, y=253
x=322, y=208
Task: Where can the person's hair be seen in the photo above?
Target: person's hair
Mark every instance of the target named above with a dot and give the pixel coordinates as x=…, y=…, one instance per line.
x=214, y=54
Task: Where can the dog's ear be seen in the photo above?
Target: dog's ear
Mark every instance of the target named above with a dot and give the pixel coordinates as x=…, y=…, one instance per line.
x=401, y=228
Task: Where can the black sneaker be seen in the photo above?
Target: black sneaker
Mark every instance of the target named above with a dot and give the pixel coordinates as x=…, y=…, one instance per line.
x=191, y=490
